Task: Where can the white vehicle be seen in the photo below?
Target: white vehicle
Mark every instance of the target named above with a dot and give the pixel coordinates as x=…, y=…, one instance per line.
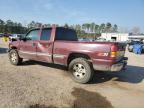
x=1, y=34
x=15, y=36
x=100, y=39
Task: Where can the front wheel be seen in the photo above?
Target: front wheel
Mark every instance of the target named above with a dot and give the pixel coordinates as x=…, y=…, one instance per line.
x=81, y=70
x=14, y=57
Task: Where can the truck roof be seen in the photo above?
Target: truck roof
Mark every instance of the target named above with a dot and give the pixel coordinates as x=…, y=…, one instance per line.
x=49, y=28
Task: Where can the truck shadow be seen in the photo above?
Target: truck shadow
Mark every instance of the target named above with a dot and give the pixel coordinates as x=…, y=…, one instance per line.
x=56, y=66
x=133, y=74
x=3, y=50
x=88, y=99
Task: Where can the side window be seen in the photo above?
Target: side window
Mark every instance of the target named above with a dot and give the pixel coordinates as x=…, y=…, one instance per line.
x=33, y=35
x=46, y=34
x=66, y=34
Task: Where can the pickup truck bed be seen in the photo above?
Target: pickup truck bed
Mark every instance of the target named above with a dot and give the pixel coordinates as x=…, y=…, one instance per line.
x=97, y=52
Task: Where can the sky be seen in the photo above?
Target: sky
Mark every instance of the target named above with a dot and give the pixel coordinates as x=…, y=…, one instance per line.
x=125, y=13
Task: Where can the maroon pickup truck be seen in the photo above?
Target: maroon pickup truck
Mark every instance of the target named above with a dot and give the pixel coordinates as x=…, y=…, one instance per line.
x=60, y=45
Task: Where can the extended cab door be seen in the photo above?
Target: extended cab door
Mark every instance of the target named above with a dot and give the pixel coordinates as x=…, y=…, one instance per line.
x=45, y=45
x=28, y=46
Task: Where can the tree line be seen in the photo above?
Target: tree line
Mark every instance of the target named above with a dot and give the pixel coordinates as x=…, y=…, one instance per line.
x=93, y=29
x=11, y=27
x=83, y=30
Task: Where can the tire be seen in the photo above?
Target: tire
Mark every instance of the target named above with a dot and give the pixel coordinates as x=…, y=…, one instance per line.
x=14, y=57
x=129, y=50
x=81, y=70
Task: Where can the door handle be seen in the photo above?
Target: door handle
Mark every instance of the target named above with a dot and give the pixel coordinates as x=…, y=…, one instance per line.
x=33, y=44
x=47, y=46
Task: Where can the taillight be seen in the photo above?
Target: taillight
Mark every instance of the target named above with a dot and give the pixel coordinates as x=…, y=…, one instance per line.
x=114, y=50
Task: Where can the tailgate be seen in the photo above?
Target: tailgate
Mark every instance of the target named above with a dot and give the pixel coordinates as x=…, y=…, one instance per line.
x=120, y=50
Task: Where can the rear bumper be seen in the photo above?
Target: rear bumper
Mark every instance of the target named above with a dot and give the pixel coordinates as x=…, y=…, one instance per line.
x=106, y=65
x=118, y=67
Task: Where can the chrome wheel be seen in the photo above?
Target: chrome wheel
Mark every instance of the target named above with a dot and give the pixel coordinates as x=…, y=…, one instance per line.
x=13, y=57
x=79, y=71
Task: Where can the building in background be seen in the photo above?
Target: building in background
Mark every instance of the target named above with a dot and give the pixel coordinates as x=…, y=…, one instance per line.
x=136, y=37
x=115, y=36
x=121, y=37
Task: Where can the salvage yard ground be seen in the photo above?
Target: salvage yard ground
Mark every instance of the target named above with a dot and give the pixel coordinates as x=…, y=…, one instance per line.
x=42, y=85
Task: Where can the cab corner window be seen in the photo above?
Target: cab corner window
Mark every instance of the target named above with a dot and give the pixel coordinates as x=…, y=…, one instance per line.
x=66, y=34
x=46, y=34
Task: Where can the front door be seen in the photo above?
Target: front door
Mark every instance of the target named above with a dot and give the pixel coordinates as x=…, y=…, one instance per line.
x=45, y=46
x=29, y=45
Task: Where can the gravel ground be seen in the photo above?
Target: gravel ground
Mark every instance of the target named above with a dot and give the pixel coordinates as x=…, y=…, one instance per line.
x=42, y=85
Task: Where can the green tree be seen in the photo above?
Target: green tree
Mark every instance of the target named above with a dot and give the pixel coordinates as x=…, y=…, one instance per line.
x=47, y=25
x=38, y=25
x=92, y=27
x=66, y=25
x=87, y=27
x=84, y=30
x=108, y=27
x=84, y=27
x=72, y=26
x=9, y=25
x=115, y=28
x=96, y=31
x=31, y=25
x=102, y=28
x=2, y=23
x=78, y=29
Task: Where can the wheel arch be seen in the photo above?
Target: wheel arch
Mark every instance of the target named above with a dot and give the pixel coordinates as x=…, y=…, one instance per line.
x=11, y=48
x=77, y=55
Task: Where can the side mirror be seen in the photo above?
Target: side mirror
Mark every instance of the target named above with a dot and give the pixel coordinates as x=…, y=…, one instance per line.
x=23, y=38
x=20, y=38
x=13, y=39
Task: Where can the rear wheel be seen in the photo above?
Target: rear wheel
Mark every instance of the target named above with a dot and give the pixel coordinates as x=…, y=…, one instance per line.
x=14, y=57
x=81, y=70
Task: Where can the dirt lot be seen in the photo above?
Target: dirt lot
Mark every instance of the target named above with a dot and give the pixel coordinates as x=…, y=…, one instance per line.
x=41, y=85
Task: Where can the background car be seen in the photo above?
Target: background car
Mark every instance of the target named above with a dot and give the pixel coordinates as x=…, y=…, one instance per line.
x=85, y=40
x=101, y=39
x=1, y=34
x=131, y=45
x=15, y=36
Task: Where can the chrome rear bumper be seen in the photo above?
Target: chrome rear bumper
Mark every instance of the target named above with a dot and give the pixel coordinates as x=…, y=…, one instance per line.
x=118, y=66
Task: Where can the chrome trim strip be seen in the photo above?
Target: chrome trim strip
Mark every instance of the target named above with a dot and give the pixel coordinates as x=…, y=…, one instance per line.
x=59, y=56
x=26, y=52
x=101, y=60
x=36, y=53
x=43, y=54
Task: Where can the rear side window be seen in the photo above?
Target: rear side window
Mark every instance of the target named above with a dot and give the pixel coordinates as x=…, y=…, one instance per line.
x=66, y=34
x=46, y=34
